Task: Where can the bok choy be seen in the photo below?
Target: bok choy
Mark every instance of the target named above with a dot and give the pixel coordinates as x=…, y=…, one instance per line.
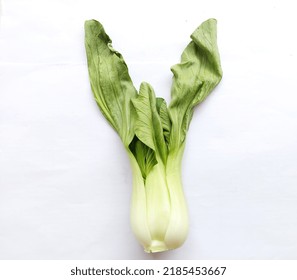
x=154, y=134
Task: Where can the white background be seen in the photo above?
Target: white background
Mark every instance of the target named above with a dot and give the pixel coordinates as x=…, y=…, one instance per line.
x=65, y=180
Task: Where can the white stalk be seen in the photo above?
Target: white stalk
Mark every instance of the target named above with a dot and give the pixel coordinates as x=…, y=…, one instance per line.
x=159, y=215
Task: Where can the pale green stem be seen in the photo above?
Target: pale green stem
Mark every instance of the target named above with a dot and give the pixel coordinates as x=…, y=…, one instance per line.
x=159, y=215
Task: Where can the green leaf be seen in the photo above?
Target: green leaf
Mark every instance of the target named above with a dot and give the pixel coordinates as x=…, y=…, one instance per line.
x=194, y=78
x=110, y=81
x=145, y=156
x=148, y=127
x=164, y=115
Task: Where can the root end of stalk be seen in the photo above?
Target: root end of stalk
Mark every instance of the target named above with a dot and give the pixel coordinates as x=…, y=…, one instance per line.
x=156, y=246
